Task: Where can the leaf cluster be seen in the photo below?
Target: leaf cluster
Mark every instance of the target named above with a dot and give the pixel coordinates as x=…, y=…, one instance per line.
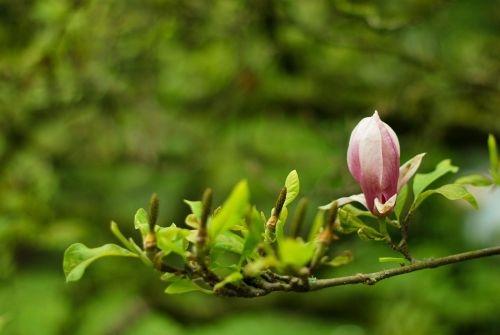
x=236, y=250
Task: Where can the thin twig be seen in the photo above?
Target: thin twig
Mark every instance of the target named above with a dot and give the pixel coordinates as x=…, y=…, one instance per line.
x=374, y=277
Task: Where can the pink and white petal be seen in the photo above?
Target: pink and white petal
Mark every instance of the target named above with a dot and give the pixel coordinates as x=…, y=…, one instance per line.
x=390, y=154
x=392, y=134
x=386, y=208
x=371, y=162
x=408, y=169
x=346, y=200
x=353, y=149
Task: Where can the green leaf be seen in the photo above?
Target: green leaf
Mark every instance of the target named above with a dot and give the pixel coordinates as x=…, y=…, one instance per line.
x=118, y=234
x=292, y=185
x=342, y=259
x=316, y=226
x=494, y=162
x=423, y=180
x=170, y=277
x=195, y=207
x=231, y=278
x=399, y=260
x=367, y=233
x=192, y=221
x=354, y=211
x=229, y=241
x=141, y=221
x=263, y=216
x=284, y=214
x=280, y=231
x=401, y=201
x=348, y=222
x=450, y=191
x=474, y=180
x=256, y=267
x=78, y=257
x=184, y=286
x=295, y=252
x=349, y=218
x=173, y=239
x=280, y=225
x=232, y=211
x=255, y=230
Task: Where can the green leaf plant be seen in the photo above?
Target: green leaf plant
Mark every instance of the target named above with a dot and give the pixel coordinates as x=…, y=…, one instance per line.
x=235, y=250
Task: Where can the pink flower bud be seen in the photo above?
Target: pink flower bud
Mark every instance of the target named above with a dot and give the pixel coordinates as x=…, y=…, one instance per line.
x=373, y=160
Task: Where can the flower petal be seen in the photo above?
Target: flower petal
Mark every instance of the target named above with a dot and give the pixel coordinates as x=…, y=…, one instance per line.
x=386, y=208
x=345, y=200
x=390, y=154
x=408, y=169
x=353, y=150
x=371, y=161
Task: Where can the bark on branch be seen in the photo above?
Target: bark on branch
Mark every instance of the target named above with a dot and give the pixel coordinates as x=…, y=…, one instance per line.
x=257, y=287
x=374, y=277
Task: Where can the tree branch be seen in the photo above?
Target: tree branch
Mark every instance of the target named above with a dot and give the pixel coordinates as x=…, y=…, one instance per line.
x=261, y=286
x=374, y=277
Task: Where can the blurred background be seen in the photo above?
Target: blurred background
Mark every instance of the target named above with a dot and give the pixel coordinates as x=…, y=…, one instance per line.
x=104, y=102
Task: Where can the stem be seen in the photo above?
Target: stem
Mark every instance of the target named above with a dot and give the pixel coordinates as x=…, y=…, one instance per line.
x=275, y=215
x=280, y=202
x=149, y=242
x=325, y=237
x=202, y=230
x=154, y=207
x=402, y=246
x=374, y=277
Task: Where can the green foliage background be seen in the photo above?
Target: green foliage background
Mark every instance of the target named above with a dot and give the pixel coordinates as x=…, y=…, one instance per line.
x=104, y=102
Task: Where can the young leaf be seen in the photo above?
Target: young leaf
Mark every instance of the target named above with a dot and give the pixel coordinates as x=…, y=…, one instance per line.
x=450, y=191
x=229, y=241
x=192, y=221
x=78, y=257
x=354, y=211
x=231, y=278
x=401, y=201
x=317, y=224
x=118, y=234
x=494, y=162
x=295, y=252
x=367, y=233
x=141, y=221
x=349, y=218
x=195, y=207
x=280, y=225
x=256, y=267
x=255, y=231
x=399, y=260
x=292, y=185
x=280, y=231
x=342, y=259
x=422, y=181
x=173, y=239
x=170, y=277
x=232, y=211
x=184, y=286
x=474, y=180
x=349, y=223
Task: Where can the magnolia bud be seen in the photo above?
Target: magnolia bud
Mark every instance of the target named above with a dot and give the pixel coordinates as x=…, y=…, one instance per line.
x=373, y=160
